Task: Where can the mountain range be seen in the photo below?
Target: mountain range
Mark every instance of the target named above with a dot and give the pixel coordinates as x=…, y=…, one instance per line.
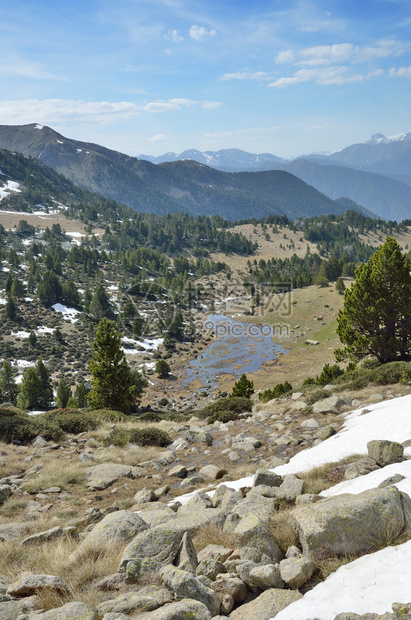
x=230, y=182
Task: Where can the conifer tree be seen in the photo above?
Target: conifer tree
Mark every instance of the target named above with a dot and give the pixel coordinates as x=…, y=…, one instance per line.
x=112, y=385
x=243, y=387
x=376, y=318
x=8, y=387
x=35, y=390
x=63, y=393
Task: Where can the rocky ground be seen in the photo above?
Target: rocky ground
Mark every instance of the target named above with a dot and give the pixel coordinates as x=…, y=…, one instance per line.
x=89, y=531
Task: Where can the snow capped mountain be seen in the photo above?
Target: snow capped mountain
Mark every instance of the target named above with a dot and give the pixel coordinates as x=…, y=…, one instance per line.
x=379, y=138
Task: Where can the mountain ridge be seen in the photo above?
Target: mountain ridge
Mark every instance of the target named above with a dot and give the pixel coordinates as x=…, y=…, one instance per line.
x=171, y=186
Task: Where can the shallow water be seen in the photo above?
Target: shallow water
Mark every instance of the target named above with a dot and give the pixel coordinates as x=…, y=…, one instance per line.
x=239, y=348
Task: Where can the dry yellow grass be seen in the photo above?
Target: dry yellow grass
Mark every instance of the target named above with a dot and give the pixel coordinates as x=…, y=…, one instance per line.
x=211, y=534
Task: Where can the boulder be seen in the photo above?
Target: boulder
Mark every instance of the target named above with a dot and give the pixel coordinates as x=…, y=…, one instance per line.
x=226, y=498
x=211, y=472
x=12, y=610
x=79, y=611
x=290, y=489
x=267, y=478
x=331, y=403
x=41, y=537
x=186, y=585
x=252, y=533
x=210, y=568
x=144, y=496
x=267, y=605
x=266, y=576
x=186, y=608
x=5, y=492
x=12, y=531
x=102, y=476
x=186, y=557
x=296, y=571
x=325, y=432
x=230, y=585
x=262, y=507
x=385, y=452
x=215, y=552
x=131, y=602
x=32, y=584
x=350, y=523
x=115, y=528
x=360, y=468
x=151, y=550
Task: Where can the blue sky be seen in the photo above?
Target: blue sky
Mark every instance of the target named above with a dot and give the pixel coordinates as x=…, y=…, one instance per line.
x=150, y=76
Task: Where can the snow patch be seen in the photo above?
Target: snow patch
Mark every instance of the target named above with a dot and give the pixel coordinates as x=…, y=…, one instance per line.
x=9, y=186
x=39, y=126
x=69, y=314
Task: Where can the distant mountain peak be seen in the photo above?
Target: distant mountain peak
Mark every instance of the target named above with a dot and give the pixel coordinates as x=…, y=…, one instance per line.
x=379, y=138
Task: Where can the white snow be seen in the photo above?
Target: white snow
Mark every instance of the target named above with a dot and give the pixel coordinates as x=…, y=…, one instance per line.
x=60, y=141
x=375, y=581
x=149, y=344
x=24, y=364
x=45, y=330
x=39, y=126
x=370, y=584
x=21, y=334
x=9, y=186
x=69, y=314
x=3, y=301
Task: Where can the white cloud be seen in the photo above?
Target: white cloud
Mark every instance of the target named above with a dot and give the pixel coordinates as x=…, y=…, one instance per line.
x=324, y=76
x=174, y=35
x=169, y=105
x=239, y=132
x=161, y=137
x=284, y=56
x=404, y=72
x=49, y=111
x=245, y=75
x=211, y=105
x=199, y=33
x=326, y=54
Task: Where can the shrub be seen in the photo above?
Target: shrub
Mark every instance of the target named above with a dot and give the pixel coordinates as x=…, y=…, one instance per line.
x=275, y=392
x=390, y=373
x=236, y=404
x=149, y=436
x=329, y=374
x=118, y=437
x=15, y=427
x=70, y=420
x=150, y=416
x=223, y=416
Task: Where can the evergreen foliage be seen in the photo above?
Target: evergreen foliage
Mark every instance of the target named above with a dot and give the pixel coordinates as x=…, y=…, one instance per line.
x=63, y=393
x=243, y=388
x=162, y=369
x=35, y=390
x=279, y=390
x=376, y=318
x=112, y=383
x=8, y=387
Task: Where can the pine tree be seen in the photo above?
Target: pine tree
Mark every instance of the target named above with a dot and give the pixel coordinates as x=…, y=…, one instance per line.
x=162, y=369
x=376, y=318
x=35, y=390
x=10, y=308
x=17, y=288
x=80, y=395
x=243, y=387
x=112, y=385
x=100, y=304
x=63, y=393
x=8, y=387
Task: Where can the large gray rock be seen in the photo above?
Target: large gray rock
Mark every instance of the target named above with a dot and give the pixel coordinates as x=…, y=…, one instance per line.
x=116, y=528
x=186, y=557
x=332, y=403
x=296, y=571
x=215, y=552
x=290, y=489
x=361, y=467
x=11, y=610
x=102, y=476
x=32, y=584
x=254, y=503
x=150, y=550
x=131, y=602
x=70, y=611
x=13, y=531
x=385, y=452
x=226, y=498
x=5, y=492
x=267, y=478
x=252, y=533
x=351, y=523
x=267, y=605
x=156, y=514
x=231, y=585
x=186, y=608
x=266, y=576
x=42, y=537
x=186, y=585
